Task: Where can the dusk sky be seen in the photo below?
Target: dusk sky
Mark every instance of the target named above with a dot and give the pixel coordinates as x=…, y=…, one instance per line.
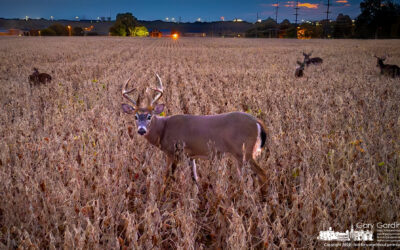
x=187, y=10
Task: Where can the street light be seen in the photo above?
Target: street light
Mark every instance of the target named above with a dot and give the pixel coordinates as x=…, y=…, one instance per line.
x=69, y=30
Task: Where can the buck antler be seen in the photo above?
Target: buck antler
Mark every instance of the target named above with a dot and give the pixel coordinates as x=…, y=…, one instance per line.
x=380, y=58
x=126, y=92
x=159, y=89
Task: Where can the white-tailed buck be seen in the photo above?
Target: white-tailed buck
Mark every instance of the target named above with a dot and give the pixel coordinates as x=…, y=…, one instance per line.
x=237, y=133
x=37, y=78
x=387, y=69
x=313, y=60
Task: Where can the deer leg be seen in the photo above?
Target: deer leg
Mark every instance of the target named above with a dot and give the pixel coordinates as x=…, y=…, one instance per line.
x=171, y=164
x=260, y=172
x=262, y=177
x=195, y=177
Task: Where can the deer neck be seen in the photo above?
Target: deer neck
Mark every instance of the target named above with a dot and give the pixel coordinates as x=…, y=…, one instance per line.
x=156, y=130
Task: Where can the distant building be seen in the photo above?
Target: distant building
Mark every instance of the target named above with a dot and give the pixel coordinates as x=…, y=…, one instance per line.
x=155, y=33
x=195, y=34
x=164, y=33
x=33, y=33
x=12, y=32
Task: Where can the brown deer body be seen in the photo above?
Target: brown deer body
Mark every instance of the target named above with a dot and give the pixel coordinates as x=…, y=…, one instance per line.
x=236, y=133
x=39, y=78
x=313, y=60
x=387, y=69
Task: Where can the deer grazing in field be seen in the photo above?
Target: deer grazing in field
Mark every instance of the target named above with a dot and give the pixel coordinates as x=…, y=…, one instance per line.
x=37, y=78
x=237, y=133
x=299, y=70
x=313, y=60
x=387, y=69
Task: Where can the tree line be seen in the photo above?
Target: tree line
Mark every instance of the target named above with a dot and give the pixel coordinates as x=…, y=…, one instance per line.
x=58, y=29
x=378, y=19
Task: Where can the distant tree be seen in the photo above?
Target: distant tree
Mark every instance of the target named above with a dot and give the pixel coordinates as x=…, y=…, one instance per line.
x=118, y=30
x=311, y=30
x=287, y=30
x=77, y=31
x=59, y=29
x=140, y=31
x=378, y=19
x=327, y=28
x=47, y=32
x=291, y=32
x=270, y=27
x=267, y=28
x=92, y=33
x=124, y=25
x=285, y=24
x=342, y=27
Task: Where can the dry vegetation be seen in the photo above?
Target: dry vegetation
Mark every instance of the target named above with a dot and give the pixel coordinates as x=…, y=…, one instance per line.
x=73, y=177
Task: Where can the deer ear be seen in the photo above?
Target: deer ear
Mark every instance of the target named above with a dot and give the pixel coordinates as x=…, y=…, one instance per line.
x=158, y=109
x=128, y=108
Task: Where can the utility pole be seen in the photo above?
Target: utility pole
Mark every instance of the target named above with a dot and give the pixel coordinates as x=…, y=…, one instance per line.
x=276, y=11
x=327, y=11
x=327, y=20
x=296, y=9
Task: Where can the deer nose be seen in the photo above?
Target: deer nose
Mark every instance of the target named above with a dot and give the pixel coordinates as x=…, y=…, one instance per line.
x=142, y=131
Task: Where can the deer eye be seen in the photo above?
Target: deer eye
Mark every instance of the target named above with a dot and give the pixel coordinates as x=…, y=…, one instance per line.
x=136, y=117
x=148, y=117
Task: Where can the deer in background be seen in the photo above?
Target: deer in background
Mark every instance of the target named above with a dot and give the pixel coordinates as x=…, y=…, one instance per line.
x=37, y=78
x=314, y=60
x=299, y=70
x=236, y=133
x=387, y=69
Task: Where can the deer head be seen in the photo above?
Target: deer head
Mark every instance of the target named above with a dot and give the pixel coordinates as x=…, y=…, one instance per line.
x=380, y=60
x=307, y=56
x=143, y=114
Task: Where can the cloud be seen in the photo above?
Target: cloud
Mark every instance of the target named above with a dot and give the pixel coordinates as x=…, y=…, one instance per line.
x=269, y=5
x=309, y=5
x=342, y=1
x=292, y=4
